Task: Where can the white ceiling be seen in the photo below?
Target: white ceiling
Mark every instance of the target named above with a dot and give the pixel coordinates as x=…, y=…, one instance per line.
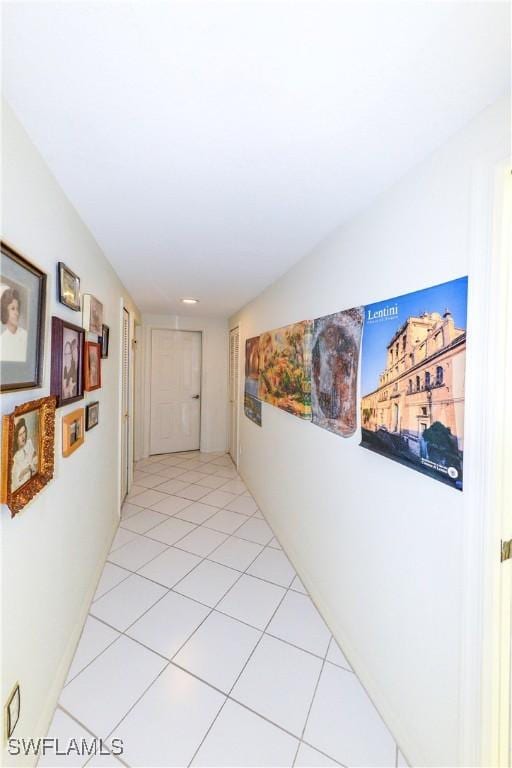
x=210, y=145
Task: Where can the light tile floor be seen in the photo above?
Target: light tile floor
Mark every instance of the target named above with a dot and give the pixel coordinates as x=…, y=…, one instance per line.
x=202, y=646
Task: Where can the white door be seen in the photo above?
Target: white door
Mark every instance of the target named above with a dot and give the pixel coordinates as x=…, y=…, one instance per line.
x=234, y=344
x=175, y=391
x=125, y=404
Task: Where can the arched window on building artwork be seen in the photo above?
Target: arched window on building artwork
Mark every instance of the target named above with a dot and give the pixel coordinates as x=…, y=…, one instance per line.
x=427, y=378
x=418, y=384
x=409, y=389
x=439, y=374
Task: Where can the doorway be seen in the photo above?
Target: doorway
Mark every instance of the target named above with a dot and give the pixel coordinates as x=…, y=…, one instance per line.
x=125, y=404
x=175, y=421
x=234, y=348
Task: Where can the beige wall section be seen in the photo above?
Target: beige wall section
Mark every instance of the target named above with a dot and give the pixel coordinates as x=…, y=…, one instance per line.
x=379, y=546
x=54, y=550
x=214, y=378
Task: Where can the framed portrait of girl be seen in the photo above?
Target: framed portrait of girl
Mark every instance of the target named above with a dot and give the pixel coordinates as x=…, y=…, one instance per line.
x=28, y=442
x=22, y=310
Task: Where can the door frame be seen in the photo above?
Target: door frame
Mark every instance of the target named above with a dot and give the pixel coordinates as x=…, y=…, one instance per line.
x=485, y=693
x=130, y=404
x=234, y=406
x=149, y=363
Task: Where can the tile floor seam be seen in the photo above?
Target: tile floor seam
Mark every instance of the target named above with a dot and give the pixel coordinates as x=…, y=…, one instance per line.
x=99, y=654
x=167, y=546
x=109, y=734
x=311, y=705
x=86, y=728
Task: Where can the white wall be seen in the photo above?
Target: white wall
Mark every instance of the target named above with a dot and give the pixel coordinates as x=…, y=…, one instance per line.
x=214, y=378
x=380, y=547
x=54, y=550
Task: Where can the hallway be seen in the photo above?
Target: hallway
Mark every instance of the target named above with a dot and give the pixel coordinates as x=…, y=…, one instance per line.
x=202, y=647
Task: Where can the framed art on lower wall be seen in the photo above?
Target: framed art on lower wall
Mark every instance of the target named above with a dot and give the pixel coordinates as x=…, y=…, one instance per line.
x=23, y=300
x=92, y=415
x=72, y=431
x=28, y=444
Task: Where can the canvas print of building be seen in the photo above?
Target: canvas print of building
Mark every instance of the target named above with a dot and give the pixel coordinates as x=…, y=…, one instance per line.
x=252, y=368
x=285, y=368
x=335, y=350
x=252, y=408
x=413, y=367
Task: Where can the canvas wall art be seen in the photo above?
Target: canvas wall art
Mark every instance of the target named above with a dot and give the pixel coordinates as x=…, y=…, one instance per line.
x=252, y=408
x=252, y=369
x=335, y=350
x=413, y=368
x=285, y=368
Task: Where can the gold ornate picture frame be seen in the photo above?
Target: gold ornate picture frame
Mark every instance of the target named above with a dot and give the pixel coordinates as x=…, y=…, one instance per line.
x=28, y=448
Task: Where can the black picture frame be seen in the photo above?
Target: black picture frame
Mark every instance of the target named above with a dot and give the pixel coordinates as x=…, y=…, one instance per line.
x=59, y=328
x=104, y=340
x=62, y=271
x=90, y=410
x=21, y=278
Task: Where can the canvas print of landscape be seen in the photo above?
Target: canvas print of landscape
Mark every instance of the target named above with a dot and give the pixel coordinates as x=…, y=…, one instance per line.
x=413, y=379
x=252, y=367
x=285, y=368
x=335, y=345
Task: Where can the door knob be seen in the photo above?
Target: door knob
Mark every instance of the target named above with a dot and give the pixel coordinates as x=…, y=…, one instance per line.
x=195, y=397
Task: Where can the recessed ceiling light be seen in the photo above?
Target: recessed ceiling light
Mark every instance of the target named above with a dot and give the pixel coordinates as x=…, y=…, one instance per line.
x=190, y=301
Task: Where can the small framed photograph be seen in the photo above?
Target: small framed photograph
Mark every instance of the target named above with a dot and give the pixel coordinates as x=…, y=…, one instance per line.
x=92, y=365
x=105, y=336
x=69, y=287
x=28, y=442
x=23, y=300
x=92, y=415
x=92, y=314
x=72, y=431
x=67, y=362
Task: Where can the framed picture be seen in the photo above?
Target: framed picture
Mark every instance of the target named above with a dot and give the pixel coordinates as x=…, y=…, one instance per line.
x=23, y=299
x=105, y=336
x=69, y=287
x=92, y=365
x=92, y=314
x=67, y=362
x=28, y=442
x=92, y=415
x=72, y=431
